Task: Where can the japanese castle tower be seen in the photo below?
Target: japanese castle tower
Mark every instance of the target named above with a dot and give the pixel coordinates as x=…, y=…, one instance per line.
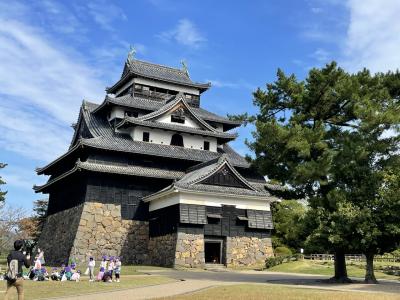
x=149, y=176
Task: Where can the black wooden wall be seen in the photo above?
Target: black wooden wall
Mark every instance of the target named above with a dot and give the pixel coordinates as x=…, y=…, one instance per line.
x=169, y=219
x=69, y=194
x=124, y=190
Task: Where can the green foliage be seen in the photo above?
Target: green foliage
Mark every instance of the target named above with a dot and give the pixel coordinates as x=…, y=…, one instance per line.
x=288, y=218
x=274, y=261
x=282, y=251
x=334, y=140
x=40, y=214
x=2, y=193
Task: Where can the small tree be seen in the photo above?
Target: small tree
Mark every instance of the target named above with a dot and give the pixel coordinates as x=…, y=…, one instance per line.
x=9, y=225
x=2, y=193
x=39, y=216
x=288, y=217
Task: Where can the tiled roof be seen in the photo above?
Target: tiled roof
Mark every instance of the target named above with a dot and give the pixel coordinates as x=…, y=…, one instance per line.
x=173, y=103
x=104, y=137
x=158, y=72
x=115, y=169
x=153, y=105
x=192, y=181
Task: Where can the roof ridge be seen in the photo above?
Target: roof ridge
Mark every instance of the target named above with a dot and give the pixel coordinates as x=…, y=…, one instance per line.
x=162, y=66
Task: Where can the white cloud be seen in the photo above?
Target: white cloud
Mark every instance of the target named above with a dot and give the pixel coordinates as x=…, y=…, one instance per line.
x=42, y=84
x=105, y=13
x=20, y=177
x=35, y=72
x=185, y=33
x=230, y=84
x=373, y=37
x=321, y=55
x=32, y=133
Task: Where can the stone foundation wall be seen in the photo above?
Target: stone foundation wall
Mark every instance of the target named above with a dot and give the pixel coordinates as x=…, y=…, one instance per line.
x=101, y=231
x=189, y=250
x=247, y=251
x=162, y=250
x=94, y=229
x=58, y=234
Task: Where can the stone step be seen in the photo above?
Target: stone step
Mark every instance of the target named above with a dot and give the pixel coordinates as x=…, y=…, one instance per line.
x=215, y=267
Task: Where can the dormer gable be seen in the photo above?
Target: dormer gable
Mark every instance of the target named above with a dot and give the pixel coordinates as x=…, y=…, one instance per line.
x=217, y=173
x=178, y=112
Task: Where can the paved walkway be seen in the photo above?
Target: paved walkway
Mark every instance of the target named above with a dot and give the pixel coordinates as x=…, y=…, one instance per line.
x=151, y=292
x=192, y=281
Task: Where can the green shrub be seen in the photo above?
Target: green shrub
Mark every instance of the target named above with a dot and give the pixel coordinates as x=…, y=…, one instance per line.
x=274, y=261
x=283, y=251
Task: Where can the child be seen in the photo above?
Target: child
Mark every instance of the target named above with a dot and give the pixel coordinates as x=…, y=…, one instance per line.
x=76, y=276
x=111, y=266
x=91, y=265
x=68, y=272
x=100, y=274
x=55, y=275
x=107, y=277
x=117, y=269
x=38, y=264
x=103, y=263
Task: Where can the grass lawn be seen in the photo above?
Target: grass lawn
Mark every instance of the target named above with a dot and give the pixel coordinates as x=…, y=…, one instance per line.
x=354, y=269
x=47, y=289
x=248, y=291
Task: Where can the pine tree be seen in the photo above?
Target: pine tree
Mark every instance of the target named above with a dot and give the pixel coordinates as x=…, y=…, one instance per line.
x=331, y=138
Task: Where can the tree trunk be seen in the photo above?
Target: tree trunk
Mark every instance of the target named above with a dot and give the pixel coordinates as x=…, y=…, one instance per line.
x=340, y=268
x=369, y=272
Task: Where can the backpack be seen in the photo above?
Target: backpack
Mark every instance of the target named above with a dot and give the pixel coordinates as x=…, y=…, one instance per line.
x=12, y=271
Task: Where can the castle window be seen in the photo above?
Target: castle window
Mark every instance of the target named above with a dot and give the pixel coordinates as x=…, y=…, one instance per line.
x=177, y=119
x=146, y=136
x=177, y=140
x=206, y=145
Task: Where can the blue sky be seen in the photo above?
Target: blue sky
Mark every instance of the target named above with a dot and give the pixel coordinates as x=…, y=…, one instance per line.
x=53, y=54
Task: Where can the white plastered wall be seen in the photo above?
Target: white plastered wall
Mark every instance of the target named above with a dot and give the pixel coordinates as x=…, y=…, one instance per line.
x=163, y=137
x=119, y=112
x=209, y=200
x=189, y=122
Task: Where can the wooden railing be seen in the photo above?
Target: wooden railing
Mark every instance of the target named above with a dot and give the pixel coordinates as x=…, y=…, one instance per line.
x=354, y=257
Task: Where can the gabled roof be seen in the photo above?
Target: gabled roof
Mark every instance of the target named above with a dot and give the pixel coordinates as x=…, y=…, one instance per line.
x=158, y=72
x=149, y=120
x=137, y=102
x=193, y=181
x=170, y=106
x=203, y=171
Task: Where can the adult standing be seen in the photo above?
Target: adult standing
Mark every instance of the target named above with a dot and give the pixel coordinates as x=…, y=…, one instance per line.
x=17, y=257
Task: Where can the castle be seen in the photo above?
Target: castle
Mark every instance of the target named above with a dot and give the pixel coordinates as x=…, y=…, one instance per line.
x=149, y=176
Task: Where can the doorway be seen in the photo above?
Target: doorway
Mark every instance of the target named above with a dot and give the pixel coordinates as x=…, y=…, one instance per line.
x=213, y=252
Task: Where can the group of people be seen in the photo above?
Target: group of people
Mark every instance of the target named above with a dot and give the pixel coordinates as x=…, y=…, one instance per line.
x=109, y=271
x=110, y=268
